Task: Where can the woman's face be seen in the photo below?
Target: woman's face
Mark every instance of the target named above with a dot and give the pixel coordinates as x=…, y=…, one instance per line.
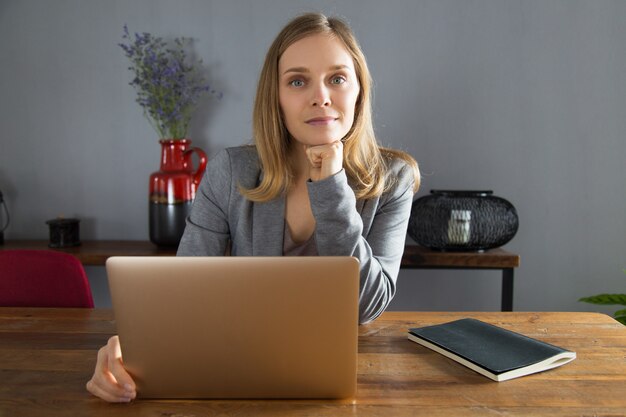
x=318, y=89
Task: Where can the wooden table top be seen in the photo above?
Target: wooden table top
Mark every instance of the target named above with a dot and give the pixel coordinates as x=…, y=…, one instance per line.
x=96, y=252
x=47, y=355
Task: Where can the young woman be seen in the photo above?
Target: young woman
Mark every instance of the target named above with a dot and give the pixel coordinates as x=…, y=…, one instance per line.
x=315, y=182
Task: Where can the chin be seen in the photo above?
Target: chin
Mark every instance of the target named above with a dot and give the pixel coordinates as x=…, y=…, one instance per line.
x=322, y=139
x=316, y=141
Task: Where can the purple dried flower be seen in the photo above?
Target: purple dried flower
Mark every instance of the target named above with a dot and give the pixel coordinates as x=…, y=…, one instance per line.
x=168, y=88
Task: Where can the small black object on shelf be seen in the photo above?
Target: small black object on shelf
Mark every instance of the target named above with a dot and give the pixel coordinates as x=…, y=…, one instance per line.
x=459, y=220
x=3, y=226
x=64, y=233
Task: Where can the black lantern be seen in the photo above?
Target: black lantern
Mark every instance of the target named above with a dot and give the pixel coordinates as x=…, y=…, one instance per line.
x=64, y=233
x=452, y=220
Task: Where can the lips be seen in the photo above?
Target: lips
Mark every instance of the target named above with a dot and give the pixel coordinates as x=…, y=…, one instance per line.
x=321, y=121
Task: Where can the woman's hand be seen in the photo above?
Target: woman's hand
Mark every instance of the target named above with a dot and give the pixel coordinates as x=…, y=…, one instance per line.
x=325, y=160
x=110, y=381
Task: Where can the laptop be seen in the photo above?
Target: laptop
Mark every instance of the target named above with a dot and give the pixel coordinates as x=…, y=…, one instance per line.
x=237, y=327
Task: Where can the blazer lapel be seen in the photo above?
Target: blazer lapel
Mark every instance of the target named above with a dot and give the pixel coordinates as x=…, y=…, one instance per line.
x=359, y=206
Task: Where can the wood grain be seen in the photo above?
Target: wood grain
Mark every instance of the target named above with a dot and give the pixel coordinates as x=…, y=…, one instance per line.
x=47, y=355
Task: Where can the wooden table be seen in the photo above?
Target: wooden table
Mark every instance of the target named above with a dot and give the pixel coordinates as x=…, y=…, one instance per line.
x=47, y=355
x=415, y=257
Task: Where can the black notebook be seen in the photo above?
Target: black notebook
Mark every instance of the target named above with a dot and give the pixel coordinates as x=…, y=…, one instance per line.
x=490, y=350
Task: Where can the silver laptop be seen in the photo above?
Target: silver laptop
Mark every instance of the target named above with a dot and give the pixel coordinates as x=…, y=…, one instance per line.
x=237, y=327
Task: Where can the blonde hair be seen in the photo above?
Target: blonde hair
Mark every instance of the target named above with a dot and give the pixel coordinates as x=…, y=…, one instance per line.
x=364, y=161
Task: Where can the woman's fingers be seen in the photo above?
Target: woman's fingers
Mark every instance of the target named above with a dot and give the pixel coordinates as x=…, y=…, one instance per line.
x=96, y=390
x=116, y=366
x=325, y=160
x=110, y=380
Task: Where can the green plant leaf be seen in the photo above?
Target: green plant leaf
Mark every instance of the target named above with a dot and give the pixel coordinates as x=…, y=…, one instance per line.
x=605, y=299
x=620, y=313
x=621, y=319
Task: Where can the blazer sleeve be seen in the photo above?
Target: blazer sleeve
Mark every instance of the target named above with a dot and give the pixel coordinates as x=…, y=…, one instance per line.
x=339, y=232
x=207, y=232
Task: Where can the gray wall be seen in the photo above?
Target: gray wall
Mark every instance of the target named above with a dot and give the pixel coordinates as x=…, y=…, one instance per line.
x=527, y=98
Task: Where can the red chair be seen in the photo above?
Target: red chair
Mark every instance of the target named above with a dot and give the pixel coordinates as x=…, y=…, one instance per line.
x=42, y=278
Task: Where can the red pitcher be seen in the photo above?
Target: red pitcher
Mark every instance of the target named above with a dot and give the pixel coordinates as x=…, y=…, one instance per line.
x=172, y=190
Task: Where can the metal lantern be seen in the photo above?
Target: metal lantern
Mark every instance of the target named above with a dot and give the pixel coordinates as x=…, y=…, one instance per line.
x=64, y=233
x=455, y=220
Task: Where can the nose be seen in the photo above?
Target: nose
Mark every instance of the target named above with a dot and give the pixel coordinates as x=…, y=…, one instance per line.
x=320, y=96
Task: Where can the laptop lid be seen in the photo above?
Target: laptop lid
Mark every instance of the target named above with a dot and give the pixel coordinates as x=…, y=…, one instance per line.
x=237, y=327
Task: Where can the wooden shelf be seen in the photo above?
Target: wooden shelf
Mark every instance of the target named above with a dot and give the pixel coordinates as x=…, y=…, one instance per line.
x=420, y=257
x=96, y=252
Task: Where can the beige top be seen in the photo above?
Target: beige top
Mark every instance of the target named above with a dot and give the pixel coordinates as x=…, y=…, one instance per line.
x=291, y=248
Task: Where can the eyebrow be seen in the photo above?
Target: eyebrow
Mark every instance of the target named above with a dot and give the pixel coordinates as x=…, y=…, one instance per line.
x=306, y=70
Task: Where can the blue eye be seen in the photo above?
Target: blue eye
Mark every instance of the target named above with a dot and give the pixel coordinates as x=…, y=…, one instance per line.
x=296, y=83
x=337, y=80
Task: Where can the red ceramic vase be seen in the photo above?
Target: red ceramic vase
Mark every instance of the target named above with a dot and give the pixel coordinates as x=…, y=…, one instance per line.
x=172, y=190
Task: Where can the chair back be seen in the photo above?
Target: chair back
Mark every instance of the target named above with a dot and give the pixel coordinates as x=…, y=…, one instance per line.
x=42, y=278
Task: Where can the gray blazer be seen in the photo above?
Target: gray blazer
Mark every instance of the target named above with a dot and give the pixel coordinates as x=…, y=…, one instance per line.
x=373, y=230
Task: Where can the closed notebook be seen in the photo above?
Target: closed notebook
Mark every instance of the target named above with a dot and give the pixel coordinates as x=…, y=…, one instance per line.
x=490, y=350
